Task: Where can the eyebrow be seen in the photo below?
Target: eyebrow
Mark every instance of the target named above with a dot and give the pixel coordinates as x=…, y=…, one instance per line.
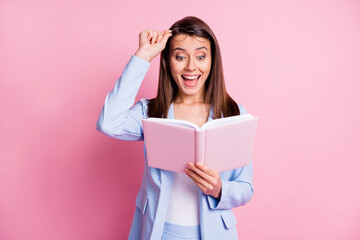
x=182, y=49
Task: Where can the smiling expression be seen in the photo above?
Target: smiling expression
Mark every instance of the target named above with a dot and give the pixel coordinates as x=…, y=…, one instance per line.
x=190, y=65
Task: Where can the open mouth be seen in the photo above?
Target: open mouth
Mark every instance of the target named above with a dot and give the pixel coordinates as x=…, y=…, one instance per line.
x=191, y=81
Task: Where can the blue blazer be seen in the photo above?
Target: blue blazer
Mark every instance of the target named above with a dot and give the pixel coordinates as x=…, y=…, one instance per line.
x=121, y=119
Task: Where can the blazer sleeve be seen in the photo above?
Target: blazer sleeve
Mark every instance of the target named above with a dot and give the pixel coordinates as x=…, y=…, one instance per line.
x=238, y=189
x=119, y=117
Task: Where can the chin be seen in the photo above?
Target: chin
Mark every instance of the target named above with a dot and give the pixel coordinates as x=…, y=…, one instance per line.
x=190, y=92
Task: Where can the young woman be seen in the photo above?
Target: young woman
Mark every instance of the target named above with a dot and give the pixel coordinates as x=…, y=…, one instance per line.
x=195, y=205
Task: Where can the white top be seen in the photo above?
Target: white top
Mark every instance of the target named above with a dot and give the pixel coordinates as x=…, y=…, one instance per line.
x=184, y=201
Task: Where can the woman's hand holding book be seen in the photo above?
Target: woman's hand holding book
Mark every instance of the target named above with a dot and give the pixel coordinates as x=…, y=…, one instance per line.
x=207, y=179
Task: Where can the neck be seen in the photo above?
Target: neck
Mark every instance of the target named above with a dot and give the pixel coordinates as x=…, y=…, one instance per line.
x=189, y=99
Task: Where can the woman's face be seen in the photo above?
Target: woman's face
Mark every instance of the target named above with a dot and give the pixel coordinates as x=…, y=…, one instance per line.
x=190, y=65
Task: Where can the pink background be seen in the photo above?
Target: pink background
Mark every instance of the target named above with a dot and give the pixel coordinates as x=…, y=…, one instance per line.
x=294, y=64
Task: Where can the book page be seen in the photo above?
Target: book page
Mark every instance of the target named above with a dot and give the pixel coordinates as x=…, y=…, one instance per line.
x=227, y=120
x=168, y=146
x=230, y=146
x=177, y=122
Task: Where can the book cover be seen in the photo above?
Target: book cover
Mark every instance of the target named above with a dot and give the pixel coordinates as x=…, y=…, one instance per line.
x=222, y=144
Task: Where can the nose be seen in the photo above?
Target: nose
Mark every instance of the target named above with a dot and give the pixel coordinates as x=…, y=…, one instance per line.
x=190, y=65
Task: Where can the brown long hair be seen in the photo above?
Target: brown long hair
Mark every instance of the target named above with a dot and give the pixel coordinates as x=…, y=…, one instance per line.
x=215, y=95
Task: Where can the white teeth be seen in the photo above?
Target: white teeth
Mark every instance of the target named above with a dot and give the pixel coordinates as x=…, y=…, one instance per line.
x=191, y=78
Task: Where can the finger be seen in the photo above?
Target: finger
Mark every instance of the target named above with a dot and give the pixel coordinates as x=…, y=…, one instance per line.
x=189, y=173
x=203, y=174
x=207, y=169
x=204, y=189
x=163, y=34
x=198, y=180
x=158, y=37
x=144, y=37
x=166, y=36
x=155, y=36
x=150, y=35
x=207, y=190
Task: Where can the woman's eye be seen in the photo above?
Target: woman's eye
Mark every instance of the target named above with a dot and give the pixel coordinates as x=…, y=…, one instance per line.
x=201, y=57
x=179, y=58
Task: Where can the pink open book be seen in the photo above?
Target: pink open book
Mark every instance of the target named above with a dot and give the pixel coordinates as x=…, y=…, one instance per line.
x=222, y=144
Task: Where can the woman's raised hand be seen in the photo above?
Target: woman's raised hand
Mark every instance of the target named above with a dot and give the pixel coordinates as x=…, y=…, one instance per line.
x=151, y=43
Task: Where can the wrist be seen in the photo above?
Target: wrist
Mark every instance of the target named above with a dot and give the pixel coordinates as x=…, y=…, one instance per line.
x=142, y=54
x=218, y=196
